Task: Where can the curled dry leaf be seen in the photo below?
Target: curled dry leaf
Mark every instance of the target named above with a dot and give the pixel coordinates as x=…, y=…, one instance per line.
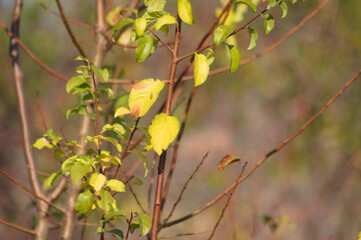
x=226, y=160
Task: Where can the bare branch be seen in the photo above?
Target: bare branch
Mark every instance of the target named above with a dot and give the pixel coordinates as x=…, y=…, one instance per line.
x=68, y=29
x=184, y=234
x=32, y=232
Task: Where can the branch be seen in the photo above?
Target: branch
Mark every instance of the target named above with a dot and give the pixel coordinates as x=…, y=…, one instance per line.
x=272, y=46
x=270, y=153
x=184, y=234
x=15, y=38
x=162, y=159
x=68, y=29
x=31, y=192
x=25, y=230
x=227, y=203
x=184, y=188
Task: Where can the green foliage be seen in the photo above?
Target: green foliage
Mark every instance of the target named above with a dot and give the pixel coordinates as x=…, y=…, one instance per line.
x=222, y=33
x=269, y=23
x=235, y=58
x=248, y=3
x=162, y=21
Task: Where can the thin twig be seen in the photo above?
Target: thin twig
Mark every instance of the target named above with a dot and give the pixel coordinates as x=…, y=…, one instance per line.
x=68, y=29
x=184, y=188
x=26, y=230
x=31, y=192
x=184, y=234
x=263, y=159
x=227, y=203
x=160, y=40
x=125, y=152
x=129, y=225
x=136, y=198
x=32, y=55
x=76, y=22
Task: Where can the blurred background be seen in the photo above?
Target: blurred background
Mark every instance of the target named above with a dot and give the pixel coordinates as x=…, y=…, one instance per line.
x=311, y=188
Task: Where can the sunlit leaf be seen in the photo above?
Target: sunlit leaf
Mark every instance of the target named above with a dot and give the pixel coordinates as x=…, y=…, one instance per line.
x=248, y=3
x=97, y=181
x=78, y=170
x=269, y=23
x=145, y=223
x=144, y=48
x=221, y=33
x=116, y=185
x=210, y=56
x=121, y=111
x=107, y=202
x=284, y=8
x=133, y=10
x=102, y=73
x=227, y=160
x=185, y=11
x=41, y=143
x=140, y=26
x=108, y=139
x=117, y=232
x=166, y=19
x=75, y=82
x=85, y=202
x=143, y=95
x=163, y=130
x=116, y=127
x=113, y=16
x=254, y=37
x=155, y=5
x=235, y=58
x=52, y=178
x=201, y=69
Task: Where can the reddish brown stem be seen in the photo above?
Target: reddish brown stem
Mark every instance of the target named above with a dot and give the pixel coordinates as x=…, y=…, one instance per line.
x=68, y=29
x=18, y=227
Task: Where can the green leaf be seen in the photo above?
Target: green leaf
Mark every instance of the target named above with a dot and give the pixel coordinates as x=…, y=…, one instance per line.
x=40, y=143
x=143, y=95
x=227, y=160
x=59, y=154
x=163, y=130
x=144, y=160
x=108, y=139
x=166, y=19
x=123, y=23
x=85, y=202
x=144, y=48
x=145, y=223
x=210, y=56
x=75, y=82
x=116, y=127
x=121, y=111
x=116, y=185
x=249, y=3
x=254, y=37
x=269, y=23
x=52, y=178
x=222, y=33
x=201, y=69
x=155, y=5
x=97, y=181
x=185, y=11
x=79, y=170
x=235, y=58
x=117, y=232
x=133, y=227
x=284, y=8
x=50, y=134
x=113, y=16
x=271, y=3
x=133, y=10
x=107, y=202
x=140, y=26
x=113, y=214
x=102, y=73
x=81, y=58
x=82, y=109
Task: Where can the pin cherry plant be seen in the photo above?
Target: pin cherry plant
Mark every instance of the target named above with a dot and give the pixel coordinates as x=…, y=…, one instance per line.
x=94, y=165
